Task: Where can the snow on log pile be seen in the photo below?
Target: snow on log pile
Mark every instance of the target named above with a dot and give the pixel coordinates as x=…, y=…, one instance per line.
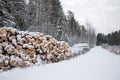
x=24, y=49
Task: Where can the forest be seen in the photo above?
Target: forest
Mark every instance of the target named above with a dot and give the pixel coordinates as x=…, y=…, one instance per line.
x=111, y=39
x=46, y=16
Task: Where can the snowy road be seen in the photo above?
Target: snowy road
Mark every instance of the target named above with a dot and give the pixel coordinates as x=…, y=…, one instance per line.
x=97, y=64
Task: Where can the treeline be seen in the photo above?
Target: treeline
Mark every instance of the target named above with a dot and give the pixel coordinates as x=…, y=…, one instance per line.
x=111, y=39
x=13, y=14
x=45, y=16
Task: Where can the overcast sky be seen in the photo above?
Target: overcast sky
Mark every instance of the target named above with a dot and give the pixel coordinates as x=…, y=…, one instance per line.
x=103, y=14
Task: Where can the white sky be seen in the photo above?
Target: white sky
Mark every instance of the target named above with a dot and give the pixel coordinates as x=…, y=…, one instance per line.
x=103, y=14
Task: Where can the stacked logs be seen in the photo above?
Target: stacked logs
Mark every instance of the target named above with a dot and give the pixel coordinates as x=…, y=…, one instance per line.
x=24, y=49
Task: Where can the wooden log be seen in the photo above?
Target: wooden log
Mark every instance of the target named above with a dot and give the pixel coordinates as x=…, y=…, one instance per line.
x=4, y=69
x=9, y=51
x=30, y=53
x=13, y=63
x=26, y=64
x=41, y=34
x=56, y=53
x=30, y=47
x=12, y=37
x=25, y=40
x=30, y=60
x=4, y=38
x=41, y=38
x=1, y=32
x=52, y=56
x=17, y=47
x=6, y=60
x=33, y=40
x=40, y=51
x=1, y=51
x=20, y=63
x=37, y=36
x=1, y=64
x=51, y=47
x=4, y=32
x=34, y=61
x=37, y=41
x=49, y=61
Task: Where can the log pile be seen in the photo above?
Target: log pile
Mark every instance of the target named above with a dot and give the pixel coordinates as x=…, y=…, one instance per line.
x=24, y=49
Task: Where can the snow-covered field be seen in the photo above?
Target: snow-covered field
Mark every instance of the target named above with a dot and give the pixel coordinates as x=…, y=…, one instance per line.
x=97, y=64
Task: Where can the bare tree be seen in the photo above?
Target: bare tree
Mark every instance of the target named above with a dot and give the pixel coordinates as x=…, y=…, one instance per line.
x=91, y=35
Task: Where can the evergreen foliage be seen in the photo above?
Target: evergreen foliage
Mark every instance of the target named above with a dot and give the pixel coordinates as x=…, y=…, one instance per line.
x=111, y=39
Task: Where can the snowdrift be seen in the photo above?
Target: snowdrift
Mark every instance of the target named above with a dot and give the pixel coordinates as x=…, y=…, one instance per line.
x=24, y=49
x=97, y=64
x=80, y=48
x=115, y=49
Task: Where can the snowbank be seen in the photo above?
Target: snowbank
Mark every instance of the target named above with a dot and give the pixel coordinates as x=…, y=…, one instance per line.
x=80, y=48
x=114, y=49
x=97, y=64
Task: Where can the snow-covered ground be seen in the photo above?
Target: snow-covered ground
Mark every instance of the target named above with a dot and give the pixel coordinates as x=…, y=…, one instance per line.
x=97, y=64
x=115, y=49
x=79, y=48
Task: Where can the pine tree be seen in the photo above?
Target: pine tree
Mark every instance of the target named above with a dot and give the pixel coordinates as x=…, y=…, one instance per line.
x=18, y=9
x=48, y=14
x=6, y=19
x=99, y=39
x=31, y=12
